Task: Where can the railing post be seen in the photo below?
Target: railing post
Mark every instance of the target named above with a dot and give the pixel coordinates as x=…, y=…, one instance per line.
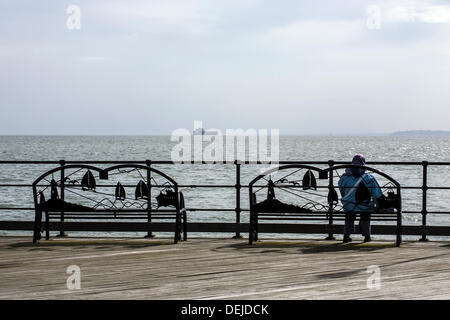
x=61, y=225
x=238, y=199
x=424, y=200
x=330, y=206
x=148, y=163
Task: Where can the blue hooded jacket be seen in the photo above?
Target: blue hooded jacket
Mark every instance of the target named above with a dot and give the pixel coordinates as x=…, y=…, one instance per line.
x=348, y=184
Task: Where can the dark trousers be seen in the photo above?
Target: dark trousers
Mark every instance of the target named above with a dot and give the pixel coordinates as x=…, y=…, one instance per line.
x=364, y=224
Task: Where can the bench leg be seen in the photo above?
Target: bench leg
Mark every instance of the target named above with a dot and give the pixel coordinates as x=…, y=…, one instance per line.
x=177, y=234
x=177, y=227
x=256, y=228
x=37, y=226
x=184, y=225
x=250, y=233
x=252, y=229
x=47, y=226
x=399, y=236
x=399, y=229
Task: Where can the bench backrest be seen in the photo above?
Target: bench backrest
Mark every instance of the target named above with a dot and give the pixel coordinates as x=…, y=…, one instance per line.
x=82, y=187
x=307, y=189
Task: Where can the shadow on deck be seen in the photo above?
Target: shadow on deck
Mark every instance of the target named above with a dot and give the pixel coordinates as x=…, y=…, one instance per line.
x=316, y=246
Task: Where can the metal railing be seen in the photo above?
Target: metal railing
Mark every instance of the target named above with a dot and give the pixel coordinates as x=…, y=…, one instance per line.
x=237, y=186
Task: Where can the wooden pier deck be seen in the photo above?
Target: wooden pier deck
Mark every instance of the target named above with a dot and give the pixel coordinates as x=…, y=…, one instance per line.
x=222, y=269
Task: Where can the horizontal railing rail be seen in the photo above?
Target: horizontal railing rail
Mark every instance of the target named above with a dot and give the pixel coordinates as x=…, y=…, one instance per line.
x=424, y=187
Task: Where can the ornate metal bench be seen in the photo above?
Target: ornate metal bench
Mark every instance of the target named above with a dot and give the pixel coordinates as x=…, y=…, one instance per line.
x=71, y=192
x=306, y=193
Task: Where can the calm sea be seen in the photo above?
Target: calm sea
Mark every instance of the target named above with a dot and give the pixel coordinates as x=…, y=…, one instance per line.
x=323, y=148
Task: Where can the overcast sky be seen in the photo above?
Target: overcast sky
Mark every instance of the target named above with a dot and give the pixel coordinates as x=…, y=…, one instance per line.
x=150, y=67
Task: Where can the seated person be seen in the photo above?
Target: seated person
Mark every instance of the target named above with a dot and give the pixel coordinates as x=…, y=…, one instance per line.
x=359, y=191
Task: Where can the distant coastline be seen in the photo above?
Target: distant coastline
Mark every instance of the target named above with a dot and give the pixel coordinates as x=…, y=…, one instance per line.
x=422, y=133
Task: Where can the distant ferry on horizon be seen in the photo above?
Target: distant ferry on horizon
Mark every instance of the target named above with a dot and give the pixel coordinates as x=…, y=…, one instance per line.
x=202, y=131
